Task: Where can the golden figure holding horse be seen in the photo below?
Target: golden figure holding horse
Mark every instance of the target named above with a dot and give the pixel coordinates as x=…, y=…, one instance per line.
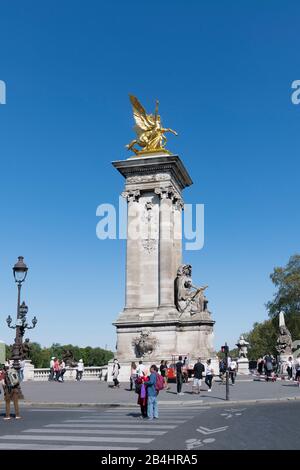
x=150, y=133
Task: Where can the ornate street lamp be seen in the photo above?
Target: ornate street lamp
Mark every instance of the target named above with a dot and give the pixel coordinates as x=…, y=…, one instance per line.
x=20, y=272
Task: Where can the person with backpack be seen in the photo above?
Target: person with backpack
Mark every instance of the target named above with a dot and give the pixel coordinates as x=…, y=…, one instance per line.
x=152, y=407
x=12, y=391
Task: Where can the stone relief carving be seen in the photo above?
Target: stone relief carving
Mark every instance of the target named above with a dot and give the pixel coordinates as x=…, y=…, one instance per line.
x=178, y=203
x=150, y=243
x=165, y=193
x=145, y=344
x=148, y=178
x=131, y=196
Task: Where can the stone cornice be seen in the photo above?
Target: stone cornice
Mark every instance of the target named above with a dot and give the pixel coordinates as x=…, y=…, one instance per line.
x=170, y=164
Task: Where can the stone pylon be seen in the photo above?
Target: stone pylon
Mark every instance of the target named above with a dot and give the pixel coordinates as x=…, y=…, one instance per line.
x=150, y=326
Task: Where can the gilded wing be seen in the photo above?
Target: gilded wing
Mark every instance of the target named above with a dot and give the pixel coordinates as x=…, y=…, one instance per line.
x=143, y=121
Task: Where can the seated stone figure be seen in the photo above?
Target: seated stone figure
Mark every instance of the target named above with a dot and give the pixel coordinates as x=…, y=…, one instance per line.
x=284, y=341
x=188, y=298
x=68, y=358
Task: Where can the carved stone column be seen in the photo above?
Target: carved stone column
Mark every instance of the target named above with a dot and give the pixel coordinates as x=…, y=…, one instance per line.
x=177, y=214
x=132, y=296
x=166, y=253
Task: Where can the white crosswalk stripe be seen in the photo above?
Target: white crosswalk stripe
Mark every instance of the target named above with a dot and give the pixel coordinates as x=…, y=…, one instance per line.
x=96, y=431
x=113, y=426
x=27, y=446
x=122, y=421
x=118, y=429
x=23, y=437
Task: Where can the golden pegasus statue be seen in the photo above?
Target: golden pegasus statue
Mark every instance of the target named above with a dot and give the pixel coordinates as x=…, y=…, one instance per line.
x=150, y=133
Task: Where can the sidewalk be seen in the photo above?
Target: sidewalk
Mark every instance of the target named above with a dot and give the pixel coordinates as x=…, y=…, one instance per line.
x=94, y=393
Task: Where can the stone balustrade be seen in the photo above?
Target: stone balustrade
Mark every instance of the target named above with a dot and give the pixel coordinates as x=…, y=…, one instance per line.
x=90, y=373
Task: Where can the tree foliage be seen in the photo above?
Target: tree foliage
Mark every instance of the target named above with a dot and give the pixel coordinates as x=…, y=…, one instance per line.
x=262, y=339
x=40, y=357
x=287, y=298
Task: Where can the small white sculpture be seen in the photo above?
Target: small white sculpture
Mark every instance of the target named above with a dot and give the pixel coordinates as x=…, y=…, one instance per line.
x=242, y=345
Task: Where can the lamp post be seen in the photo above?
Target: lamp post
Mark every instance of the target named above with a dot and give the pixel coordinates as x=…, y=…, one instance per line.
x=20, y=272
x=225, y=350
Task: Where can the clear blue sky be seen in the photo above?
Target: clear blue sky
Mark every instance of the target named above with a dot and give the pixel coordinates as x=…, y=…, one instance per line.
x=222, y=71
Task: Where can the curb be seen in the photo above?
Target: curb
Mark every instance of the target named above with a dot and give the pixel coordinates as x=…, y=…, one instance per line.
x=134, y=405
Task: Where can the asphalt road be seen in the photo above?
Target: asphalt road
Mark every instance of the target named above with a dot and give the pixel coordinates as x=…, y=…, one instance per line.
x=255, y=426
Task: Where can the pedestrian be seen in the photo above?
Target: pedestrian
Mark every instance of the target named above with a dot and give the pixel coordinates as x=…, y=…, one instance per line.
x=12, y=391
x=141, y=389
x=21, y=370
x=56, y=369
x=297, y=370
x=115, y=373
x=232, y=371
x=260, y=365
x=141, y=369
x=222, y=370
x=62, y=370
x=166, y=376
x=79, y=370
x=51, y=375
x=289, y=368
x=133, y=375
x=268, y=364
x=152, y=407
x=163, y=371
x=179, y=375
x=209, y=374
x=198, y=376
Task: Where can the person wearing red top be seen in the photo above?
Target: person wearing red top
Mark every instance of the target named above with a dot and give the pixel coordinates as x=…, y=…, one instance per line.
x=142, y=398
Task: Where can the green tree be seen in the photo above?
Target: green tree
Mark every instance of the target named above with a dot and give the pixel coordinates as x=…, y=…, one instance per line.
x=262, y=339
x=287, y=298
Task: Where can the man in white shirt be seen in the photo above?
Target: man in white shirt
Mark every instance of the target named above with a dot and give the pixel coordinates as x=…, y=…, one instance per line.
x=79, y=370
x=51, y=376
x=232, y=370
x=141, y=369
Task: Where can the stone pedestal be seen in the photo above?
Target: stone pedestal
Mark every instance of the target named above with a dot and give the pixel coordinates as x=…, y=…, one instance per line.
x=243, y=366
x=150, y=326
x=2, y=352
x=28, y=371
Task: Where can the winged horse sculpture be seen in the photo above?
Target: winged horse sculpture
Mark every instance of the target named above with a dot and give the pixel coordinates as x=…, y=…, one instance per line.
x=148, y=128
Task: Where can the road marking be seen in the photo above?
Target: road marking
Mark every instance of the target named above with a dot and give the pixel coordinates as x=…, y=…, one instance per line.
x=135, y=440
x=121, y=421
x=196, y=443
x=118, y=426
x=204, y=430
x=96, y=431
x=27, y=446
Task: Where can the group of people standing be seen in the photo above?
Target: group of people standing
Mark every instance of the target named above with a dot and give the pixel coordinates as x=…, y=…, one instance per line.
x=269, y=366
x=58, y=369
